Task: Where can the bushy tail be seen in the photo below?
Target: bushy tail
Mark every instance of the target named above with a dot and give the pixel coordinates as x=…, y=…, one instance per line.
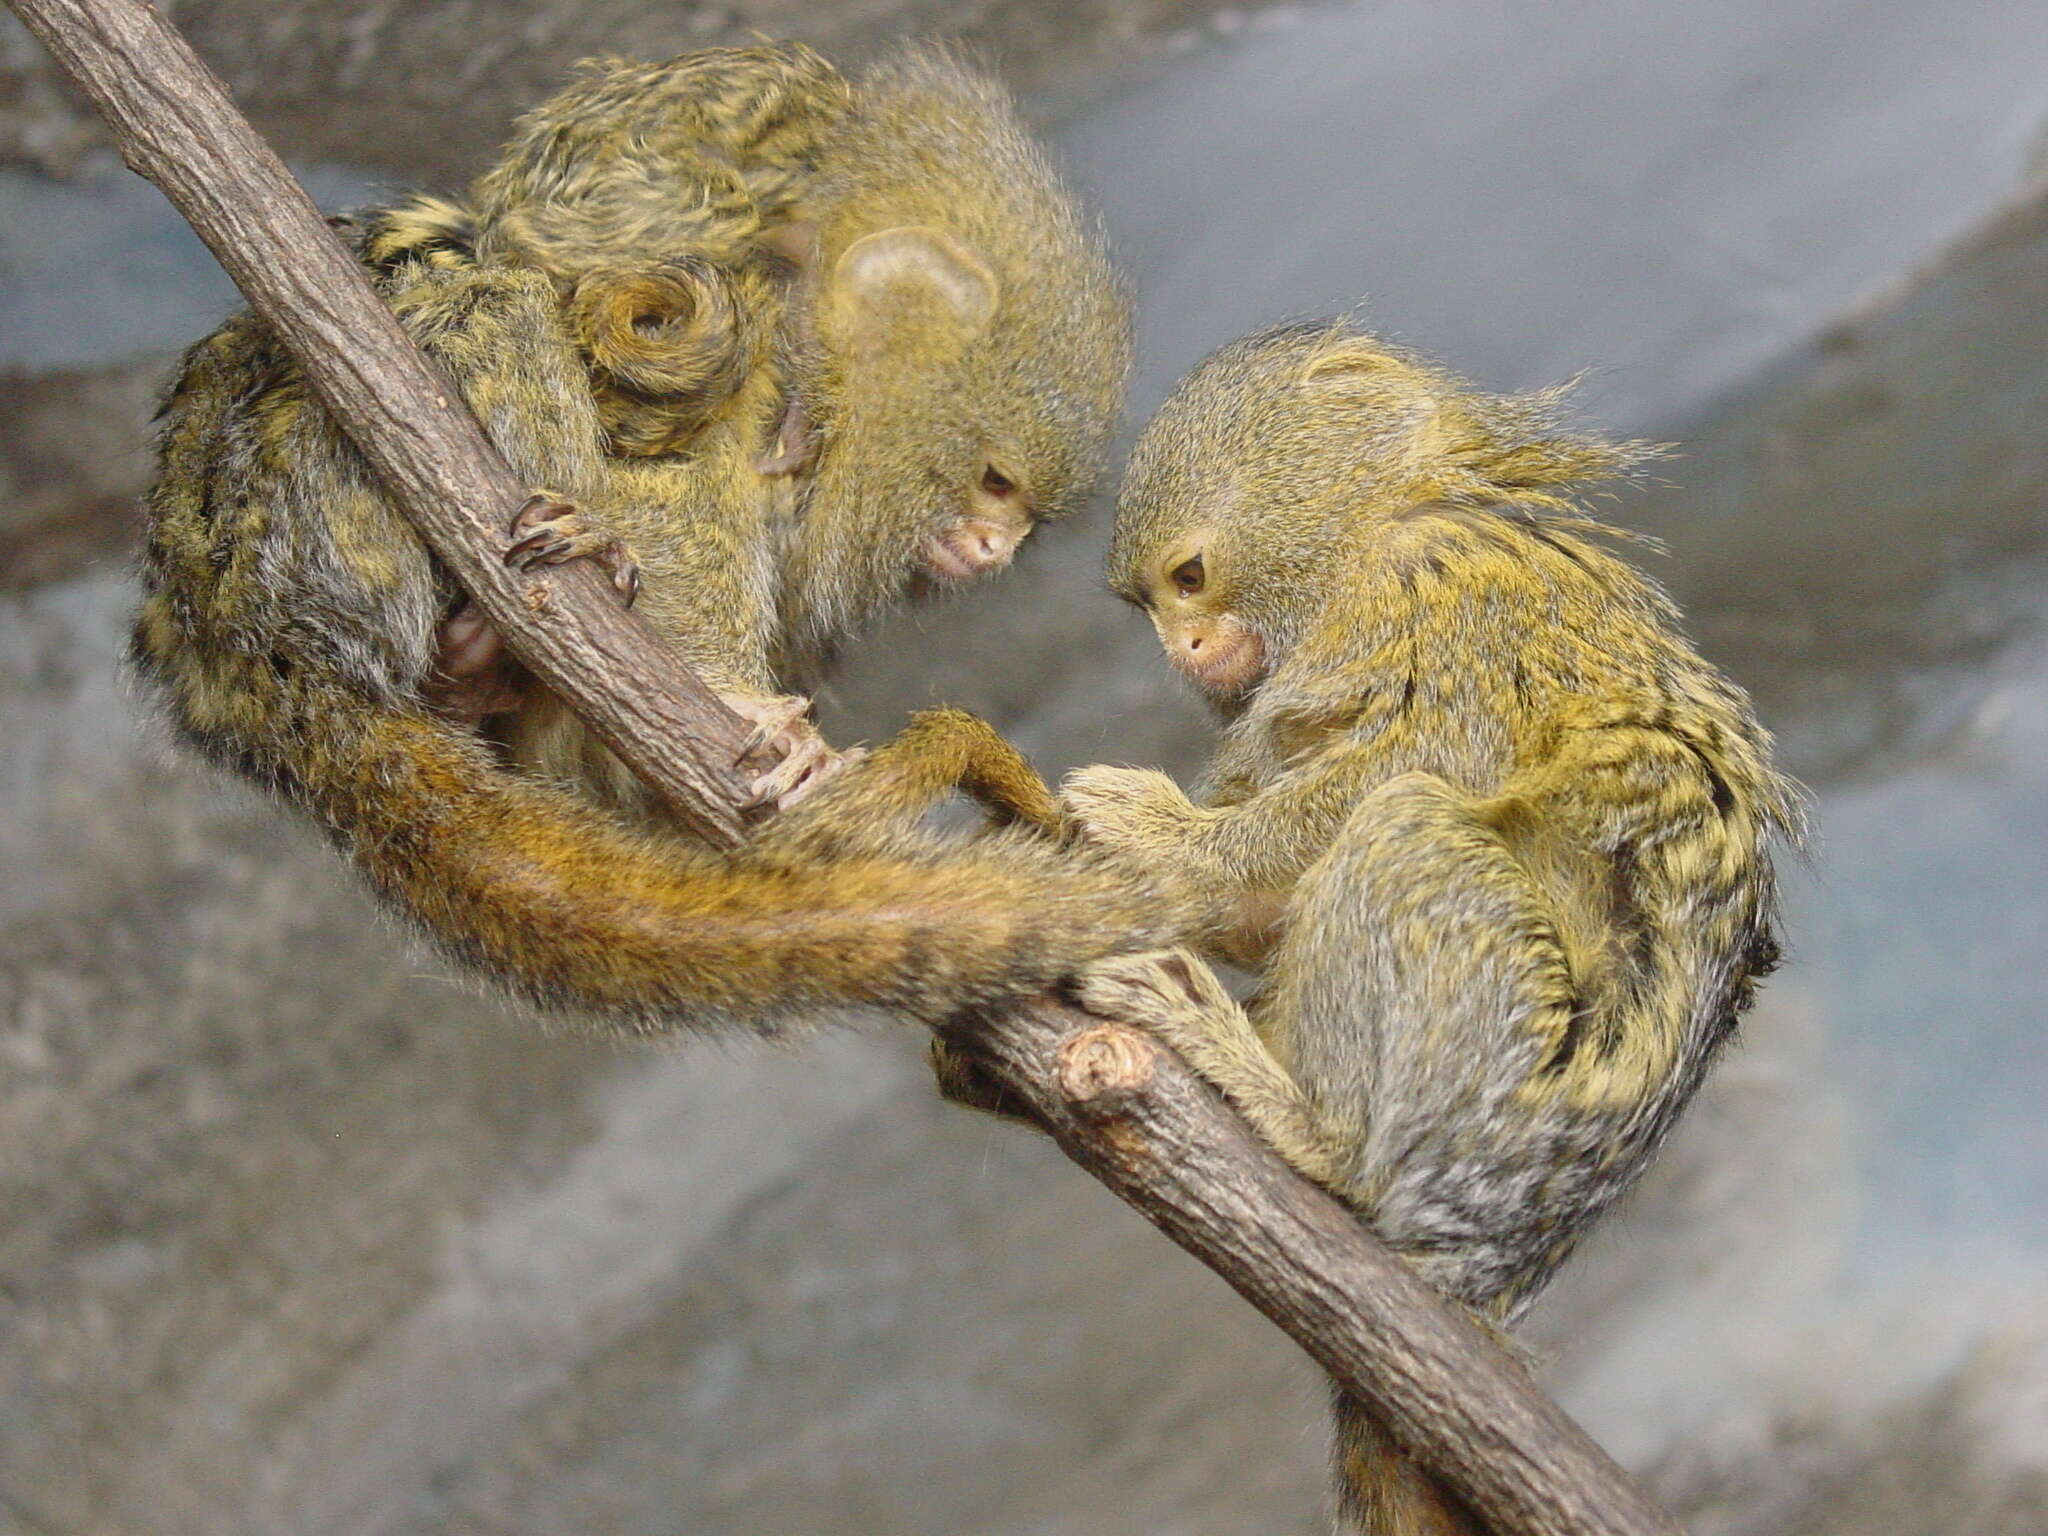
x=1379, y=1490
x=579, y=911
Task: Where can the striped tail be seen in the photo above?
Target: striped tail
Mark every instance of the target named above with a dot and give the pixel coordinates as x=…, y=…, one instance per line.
x=578, y=911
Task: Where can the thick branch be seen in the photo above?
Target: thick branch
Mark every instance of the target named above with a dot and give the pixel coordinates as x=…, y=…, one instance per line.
x=1119, y=1104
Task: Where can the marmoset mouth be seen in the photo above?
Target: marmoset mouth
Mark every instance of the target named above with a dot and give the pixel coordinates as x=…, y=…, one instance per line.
x=1223, y=660
x=948, y=563
x=970, y=550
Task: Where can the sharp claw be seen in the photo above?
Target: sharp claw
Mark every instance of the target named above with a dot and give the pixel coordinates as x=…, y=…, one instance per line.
x=538, y=509
x=760, y=793
x=530, y=550
x=550, y=532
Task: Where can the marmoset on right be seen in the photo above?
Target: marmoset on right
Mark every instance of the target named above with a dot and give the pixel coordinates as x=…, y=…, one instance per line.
x=1499, y=840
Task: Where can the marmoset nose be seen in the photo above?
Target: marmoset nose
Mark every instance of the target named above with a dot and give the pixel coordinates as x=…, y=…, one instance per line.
x=986, y=546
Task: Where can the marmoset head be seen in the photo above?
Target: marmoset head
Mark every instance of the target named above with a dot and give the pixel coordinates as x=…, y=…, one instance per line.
x=954, y=338
x=1253, y=496
x=960, y=342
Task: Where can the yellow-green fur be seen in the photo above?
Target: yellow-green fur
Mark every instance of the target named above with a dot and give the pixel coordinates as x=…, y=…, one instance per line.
x=618, y=301
x=1501, y=838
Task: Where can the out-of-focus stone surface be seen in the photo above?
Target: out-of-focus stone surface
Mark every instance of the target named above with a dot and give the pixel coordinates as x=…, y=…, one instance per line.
x=426, y=91
x=101, y=286
x=299, y=1234
x=1862, y=531
x=1939, y=1462
x=72, y=463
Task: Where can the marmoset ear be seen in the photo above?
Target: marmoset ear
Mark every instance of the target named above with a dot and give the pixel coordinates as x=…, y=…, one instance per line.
x=1402, y=403
x=1360, y=365
x=910, y=284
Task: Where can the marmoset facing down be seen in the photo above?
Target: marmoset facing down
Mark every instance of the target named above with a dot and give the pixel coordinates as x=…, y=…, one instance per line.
x=779, y=348
x=1497, y=838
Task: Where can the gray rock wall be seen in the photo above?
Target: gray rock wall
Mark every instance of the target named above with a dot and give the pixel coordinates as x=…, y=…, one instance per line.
x=424, y=92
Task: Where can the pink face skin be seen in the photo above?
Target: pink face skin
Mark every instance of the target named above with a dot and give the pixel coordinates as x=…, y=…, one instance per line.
x=985, y=540
x=1216, y=652
x=1210, y=646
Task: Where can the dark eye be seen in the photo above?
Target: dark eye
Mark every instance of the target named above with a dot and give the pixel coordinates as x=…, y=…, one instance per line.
x=1189, y=577
x=996, y=483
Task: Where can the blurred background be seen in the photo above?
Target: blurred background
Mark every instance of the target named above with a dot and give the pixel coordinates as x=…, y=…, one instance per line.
x=299, y=1234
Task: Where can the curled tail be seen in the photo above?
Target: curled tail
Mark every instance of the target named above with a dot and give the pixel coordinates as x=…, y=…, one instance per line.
x=577, y=910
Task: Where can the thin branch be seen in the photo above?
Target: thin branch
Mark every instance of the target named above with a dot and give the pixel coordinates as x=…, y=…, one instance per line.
x=1119, y=1104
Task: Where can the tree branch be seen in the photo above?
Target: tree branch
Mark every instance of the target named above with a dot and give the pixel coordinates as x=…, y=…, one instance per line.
x=1118, y=1103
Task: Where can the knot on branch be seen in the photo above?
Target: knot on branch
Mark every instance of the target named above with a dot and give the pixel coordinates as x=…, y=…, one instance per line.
x=1100, y=1067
